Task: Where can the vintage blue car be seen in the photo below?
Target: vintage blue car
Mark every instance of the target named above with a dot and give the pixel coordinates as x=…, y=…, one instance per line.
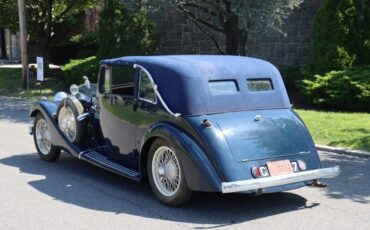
x=187, y=123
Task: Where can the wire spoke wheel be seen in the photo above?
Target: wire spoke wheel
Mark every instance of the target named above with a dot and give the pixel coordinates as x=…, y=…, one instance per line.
x=43, y=138
x=166, y=171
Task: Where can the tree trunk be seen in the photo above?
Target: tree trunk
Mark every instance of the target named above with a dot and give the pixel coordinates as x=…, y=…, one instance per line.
x=46, y=40
x=243, y=38
x=232, y=35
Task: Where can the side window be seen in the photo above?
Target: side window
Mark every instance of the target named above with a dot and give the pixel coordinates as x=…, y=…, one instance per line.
x=104, y=80
x=146, y=91
x=122, y=79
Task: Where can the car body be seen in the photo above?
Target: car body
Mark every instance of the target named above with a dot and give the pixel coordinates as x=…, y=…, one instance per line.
x=212, y=123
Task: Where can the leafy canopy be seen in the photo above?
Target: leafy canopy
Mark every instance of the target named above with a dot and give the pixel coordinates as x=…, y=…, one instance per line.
x=126, y=30
x=340, y=36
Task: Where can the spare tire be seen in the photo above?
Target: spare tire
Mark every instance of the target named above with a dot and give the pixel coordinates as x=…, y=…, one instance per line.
x=68, y=111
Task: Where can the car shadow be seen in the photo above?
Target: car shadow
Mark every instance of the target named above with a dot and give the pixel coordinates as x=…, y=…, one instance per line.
x=353, y=181
x=78, y=183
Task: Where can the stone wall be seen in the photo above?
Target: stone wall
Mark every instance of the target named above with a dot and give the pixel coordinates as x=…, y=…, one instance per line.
x=180, y=36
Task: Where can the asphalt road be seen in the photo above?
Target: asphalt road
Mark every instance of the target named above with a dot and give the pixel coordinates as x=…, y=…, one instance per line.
x=71, y=194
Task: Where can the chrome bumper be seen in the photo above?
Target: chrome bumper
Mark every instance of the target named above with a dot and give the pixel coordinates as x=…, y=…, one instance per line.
x=267, y=182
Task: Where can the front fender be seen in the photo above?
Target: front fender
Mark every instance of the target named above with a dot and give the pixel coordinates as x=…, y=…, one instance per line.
x=48, y=109
x=199, y=173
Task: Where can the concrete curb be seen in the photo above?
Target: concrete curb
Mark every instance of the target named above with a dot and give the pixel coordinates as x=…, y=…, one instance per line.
x=346, y=151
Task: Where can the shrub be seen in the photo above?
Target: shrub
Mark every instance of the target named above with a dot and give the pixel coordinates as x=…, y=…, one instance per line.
x=292, y=75
x=342, y=90
x=79, y=46
x=75, y=69
x=340, y=36
x=126, y=30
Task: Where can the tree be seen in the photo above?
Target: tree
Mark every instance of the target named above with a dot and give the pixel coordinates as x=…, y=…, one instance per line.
x=340, y=36
x=9, y=14
x=236, y=20
x=43, y=17
x=126, y=30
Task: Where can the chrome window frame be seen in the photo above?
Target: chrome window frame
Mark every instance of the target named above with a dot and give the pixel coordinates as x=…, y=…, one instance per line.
x=139, y=85
x=155, y=87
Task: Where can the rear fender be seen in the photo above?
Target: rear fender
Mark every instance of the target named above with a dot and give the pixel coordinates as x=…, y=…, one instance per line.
x=200, y=175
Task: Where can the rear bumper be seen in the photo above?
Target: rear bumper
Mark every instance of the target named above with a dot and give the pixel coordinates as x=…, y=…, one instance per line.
x=254, y=184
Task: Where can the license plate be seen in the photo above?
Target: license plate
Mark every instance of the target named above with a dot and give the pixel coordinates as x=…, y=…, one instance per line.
x=278, y=168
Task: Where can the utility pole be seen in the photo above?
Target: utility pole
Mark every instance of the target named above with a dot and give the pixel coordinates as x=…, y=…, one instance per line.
x=23, y=41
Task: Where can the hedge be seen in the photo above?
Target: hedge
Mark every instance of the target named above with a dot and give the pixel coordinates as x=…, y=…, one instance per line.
x=340, y=90
x=75, y=69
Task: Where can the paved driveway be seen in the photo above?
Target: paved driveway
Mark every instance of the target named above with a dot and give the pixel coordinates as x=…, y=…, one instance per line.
x=71, y=194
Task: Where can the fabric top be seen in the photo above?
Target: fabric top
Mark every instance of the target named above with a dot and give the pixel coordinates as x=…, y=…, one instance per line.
x=200, y=84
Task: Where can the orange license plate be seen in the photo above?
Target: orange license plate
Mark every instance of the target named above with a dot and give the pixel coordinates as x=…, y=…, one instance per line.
x=278, y=168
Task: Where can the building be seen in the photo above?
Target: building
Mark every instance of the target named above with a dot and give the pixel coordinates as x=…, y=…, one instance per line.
x=9, y=45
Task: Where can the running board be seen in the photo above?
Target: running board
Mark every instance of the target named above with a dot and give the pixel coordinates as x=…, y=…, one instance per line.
x=98, y=159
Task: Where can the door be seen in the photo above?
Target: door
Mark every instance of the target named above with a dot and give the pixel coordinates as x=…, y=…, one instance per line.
x=117, y=116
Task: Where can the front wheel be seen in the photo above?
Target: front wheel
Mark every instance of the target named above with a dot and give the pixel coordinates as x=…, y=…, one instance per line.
x=41, y=136
x=166, y=175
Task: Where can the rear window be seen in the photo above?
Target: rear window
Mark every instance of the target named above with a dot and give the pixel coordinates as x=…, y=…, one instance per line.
x=259, y=85
x=220, y=87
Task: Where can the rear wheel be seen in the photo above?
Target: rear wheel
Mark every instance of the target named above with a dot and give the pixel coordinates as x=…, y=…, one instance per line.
x=41, y=136
x=166, y=175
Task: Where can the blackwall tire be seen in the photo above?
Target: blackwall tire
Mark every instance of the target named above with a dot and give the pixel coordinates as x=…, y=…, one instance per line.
x=166, y=175
x=68, y=111
x=41, y=136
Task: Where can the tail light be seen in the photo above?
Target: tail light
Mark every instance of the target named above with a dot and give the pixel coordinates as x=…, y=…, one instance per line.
x=301, y=165
x=261, y=171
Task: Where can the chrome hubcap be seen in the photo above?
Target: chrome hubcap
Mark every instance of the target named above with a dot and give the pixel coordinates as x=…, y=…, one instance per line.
x=166, y=171
x=43, y=136
x=67, y=122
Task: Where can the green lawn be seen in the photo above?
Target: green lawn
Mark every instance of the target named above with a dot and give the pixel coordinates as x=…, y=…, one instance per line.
x=10, y=85
x=338, y=129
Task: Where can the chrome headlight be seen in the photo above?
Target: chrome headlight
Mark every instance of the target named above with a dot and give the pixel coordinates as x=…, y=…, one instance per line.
x=74, y=89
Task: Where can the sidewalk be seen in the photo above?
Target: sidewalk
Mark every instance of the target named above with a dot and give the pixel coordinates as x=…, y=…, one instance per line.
x=14, y=64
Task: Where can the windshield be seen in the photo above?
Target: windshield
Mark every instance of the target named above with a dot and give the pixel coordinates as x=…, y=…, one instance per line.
x=90, y=92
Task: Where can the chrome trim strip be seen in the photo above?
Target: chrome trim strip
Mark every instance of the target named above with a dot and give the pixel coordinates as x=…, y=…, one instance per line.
x=254, y=184
x=277, y=156
x=155, y=87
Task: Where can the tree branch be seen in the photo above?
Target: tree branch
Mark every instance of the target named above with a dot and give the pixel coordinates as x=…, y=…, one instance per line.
x=65, y=11
x=208, y=34
x=204, y=9
x=193, y=17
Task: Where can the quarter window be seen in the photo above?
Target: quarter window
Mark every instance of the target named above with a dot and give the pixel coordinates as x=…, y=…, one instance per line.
x=223, y=86
x=259, y=85
x=146, y=90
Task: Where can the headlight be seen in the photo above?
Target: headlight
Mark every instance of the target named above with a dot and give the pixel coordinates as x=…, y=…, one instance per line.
x=74, y=89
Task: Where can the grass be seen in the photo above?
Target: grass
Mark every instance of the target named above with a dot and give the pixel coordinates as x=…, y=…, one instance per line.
x=338, y=129
x=11, y=81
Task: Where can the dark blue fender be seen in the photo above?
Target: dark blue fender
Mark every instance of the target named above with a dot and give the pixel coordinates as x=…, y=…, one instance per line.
x=48, y=110
x=200, y=174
